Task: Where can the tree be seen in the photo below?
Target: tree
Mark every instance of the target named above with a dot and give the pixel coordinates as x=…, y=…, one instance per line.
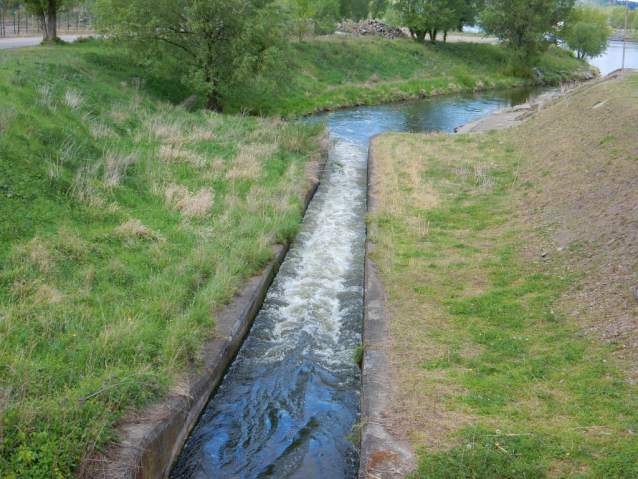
x=430, y=17
x=525, y=27
x=325, y=15
x=216, y=46
x=47, y=10
x=586, y=32
x=301, y=13
x=378, y=8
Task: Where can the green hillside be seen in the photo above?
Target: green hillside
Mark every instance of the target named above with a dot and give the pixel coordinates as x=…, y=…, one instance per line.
x=127, y=221
x=340, y=72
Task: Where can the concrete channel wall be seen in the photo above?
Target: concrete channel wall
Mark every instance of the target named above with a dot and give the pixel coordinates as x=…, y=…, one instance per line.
x=150, y=444
x=384, y=455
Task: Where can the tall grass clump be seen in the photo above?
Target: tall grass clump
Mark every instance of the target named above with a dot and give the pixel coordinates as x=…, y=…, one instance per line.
x=128, y=221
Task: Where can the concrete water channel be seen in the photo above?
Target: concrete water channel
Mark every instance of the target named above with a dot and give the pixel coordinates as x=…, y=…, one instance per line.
x=288, y=403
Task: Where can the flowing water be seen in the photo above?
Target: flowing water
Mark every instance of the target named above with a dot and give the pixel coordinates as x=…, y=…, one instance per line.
x=289, y=401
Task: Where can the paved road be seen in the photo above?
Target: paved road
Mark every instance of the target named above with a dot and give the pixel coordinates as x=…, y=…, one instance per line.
x=16, y=42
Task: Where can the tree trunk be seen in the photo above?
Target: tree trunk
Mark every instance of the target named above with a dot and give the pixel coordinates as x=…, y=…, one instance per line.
x=49, y=20
x=214, y=103
x=52, y=15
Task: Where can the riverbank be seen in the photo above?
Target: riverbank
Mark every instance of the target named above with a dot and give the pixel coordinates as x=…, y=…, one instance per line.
x=128, y=223
x=507, y=262
x=335, y=73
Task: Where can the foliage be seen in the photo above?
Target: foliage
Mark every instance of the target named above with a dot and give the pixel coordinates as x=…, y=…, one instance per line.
x=378, y=8
x=616, y=17
x=353, y=9
x=127, y=223
x=586, y=32
x=217, y=46
x=429, y=17
x=326, y=14
x=525, y=27
x=301, y=13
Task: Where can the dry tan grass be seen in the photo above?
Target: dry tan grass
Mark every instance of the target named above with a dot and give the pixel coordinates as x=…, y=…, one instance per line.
x=99, y=129
x=133, y=228
x=37, y=253
x=114, y=167
x=190, y=205
x=179, y=154
x=74, y=99
x=595, y=215
x=165, y=127
x=119, y=113
x=48, y=294
x=247, y=164
x=580, y=177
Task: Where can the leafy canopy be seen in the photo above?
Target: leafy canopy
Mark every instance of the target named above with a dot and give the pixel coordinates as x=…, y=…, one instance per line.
x=429, y=17
x=222, y=48
x=525, y=27
x=586, y=32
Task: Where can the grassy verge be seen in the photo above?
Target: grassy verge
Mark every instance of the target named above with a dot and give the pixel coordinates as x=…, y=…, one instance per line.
x=340, y=72
x=510, y=288
x=127, y=222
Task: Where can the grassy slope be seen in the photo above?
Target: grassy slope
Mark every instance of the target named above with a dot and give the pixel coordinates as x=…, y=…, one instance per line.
x=509, y=260
x=341, y=72
x=126, y=223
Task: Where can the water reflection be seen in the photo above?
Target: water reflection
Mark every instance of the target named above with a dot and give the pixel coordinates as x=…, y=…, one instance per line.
x=612, y=58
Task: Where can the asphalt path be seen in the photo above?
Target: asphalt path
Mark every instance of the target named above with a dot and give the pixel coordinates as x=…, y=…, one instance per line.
x=17, y=42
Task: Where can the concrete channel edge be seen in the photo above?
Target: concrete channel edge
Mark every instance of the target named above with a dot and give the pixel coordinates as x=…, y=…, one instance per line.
x=383, y=454
x=150, y=444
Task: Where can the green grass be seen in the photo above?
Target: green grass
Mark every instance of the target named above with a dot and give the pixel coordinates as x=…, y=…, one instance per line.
x=128, y=221
x=340, y=72
x=510, y=382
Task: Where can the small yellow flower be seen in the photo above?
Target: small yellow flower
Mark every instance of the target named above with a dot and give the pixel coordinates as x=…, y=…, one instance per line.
x=497, y=443
x=143, y=300
x=567, y=454
x=73, y=334
x=468, y=369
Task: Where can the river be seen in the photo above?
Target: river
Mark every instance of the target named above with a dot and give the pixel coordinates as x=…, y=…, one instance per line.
x=286, y=406
x=612, y=58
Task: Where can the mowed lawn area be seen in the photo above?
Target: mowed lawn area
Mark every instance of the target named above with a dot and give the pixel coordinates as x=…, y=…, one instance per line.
x=509, y=261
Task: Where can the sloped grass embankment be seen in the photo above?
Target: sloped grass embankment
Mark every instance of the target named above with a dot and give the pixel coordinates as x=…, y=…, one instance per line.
x=338, y=72
x=127, y=222
x=509, y=263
